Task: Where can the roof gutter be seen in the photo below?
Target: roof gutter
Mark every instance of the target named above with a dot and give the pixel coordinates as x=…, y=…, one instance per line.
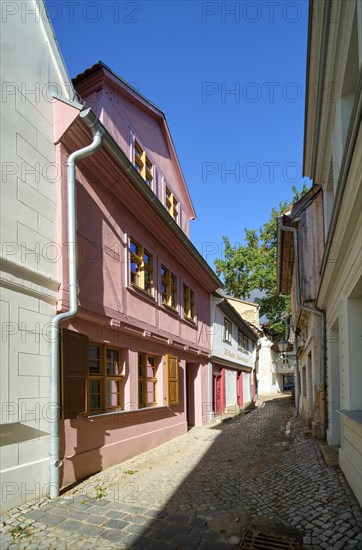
x=98, y=134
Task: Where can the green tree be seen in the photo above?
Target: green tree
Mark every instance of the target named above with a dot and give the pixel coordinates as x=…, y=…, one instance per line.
x=253, y=266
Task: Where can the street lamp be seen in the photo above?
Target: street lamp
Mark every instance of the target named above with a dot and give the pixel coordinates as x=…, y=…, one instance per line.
x=283, y=345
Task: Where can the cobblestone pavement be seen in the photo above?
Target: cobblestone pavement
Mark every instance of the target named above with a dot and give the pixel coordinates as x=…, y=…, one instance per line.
x=201, y=490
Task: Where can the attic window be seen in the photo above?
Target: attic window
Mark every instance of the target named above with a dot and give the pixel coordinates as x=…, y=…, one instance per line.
x=143, y=164
x=171, y=203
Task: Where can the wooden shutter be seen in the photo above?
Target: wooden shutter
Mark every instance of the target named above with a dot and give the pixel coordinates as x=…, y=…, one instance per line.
x=75, y=373
x=172, y=380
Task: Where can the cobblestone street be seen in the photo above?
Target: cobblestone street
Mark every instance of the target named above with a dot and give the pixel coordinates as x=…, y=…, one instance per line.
x=202, y=490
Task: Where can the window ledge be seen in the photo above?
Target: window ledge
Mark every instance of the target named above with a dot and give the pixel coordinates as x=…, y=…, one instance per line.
x=170, y=310
x=141, y=293
x=190, y=322
x=128, y=411
x=355, y=416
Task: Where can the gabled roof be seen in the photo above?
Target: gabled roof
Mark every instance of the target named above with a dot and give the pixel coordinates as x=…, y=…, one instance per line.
x=234, y=316
x=300, y=205
x=147, y=106
x=112, y=148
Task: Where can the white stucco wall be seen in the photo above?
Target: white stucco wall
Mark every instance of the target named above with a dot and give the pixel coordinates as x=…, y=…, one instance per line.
x=31, y=68
x=223, y=350
x=266, y=367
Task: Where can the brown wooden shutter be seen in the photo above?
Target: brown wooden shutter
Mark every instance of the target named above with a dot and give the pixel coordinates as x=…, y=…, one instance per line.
x=172, y=380
x=75, y=373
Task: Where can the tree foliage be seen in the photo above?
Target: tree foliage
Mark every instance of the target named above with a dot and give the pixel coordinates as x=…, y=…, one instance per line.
x=253, y=266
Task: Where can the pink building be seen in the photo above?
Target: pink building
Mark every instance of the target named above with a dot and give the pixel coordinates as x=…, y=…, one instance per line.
x=134, y=359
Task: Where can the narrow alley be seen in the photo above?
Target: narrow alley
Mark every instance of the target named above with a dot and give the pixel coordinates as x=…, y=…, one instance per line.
x=257, y=472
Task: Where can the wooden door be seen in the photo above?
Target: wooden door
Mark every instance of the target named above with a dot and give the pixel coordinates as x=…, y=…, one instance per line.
x=218, y=394
x=240, y=389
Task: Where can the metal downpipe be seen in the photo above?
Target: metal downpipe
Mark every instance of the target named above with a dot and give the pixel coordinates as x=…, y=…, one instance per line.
x=54, y=443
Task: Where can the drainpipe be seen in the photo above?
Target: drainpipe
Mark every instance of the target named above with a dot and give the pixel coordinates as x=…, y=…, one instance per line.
x=309, y=309
x=55, y=461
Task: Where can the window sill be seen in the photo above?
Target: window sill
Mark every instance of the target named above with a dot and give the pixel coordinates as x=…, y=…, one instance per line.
x=189, y=322
x=141, y=293
x=226, y=342
x=170, y=310
x=127, y=411
x=355, y=416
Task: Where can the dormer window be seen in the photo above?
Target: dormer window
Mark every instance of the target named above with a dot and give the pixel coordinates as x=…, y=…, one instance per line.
x=143, y=164
x=171, y=203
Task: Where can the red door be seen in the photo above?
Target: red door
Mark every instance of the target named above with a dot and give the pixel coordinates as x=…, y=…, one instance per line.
x=218, y=394
x=239, y=387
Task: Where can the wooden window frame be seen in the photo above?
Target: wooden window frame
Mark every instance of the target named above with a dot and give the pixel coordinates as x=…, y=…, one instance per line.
x=171, y=203
x=169, y=295
x=240, y=340
x=143, y=164
x=227, y=322
x=172, y=380
x=144, y=379
x=139, y=259
x=103, y=377
x=188, y=303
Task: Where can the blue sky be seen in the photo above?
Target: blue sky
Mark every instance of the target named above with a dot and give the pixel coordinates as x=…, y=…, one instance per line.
x=230, y=77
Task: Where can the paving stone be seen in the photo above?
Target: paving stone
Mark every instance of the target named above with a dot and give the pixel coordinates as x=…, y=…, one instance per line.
x=115, y=524
x=114, y=535
x=71, y=525
x=115, y=515
x=198, y=478
x=186, y=541
x=91, y=530
x=133, y=528
x=177, y=518
x=135, y=519
x=81, y=516
x=163, y=534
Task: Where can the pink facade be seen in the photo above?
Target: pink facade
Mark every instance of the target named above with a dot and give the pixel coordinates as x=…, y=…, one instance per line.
x=144, y=292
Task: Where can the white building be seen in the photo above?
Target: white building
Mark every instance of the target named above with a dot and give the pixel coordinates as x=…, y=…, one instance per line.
x=31, y=69
x=232, y=368
x=327, y=235
x=266, y=375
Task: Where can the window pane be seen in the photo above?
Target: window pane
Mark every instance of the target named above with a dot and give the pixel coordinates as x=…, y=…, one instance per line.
x=94, y=364
x=113, y=364
x=95, y=401
x=151, y=392
x=134, y=248
x=150, y=372
x=140, y=392
x=94, y=351
x=148, y=281
x=95, y=386
x=95, y=394
x=140, y=365
x=113, y=390
x=147, y=257
x=94, y=367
